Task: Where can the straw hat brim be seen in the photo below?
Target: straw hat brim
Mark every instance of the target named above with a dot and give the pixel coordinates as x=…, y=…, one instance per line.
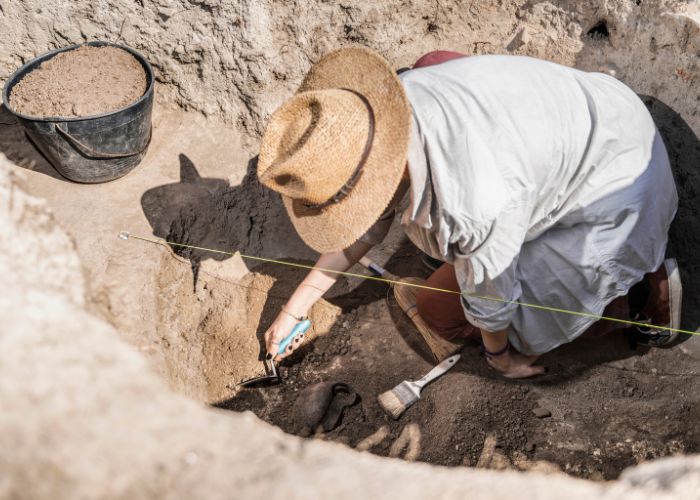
x=338, y=226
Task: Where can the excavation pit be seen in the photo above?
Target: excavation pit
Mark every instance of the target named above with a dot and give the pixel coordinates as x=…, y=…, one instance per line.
x=198, y=318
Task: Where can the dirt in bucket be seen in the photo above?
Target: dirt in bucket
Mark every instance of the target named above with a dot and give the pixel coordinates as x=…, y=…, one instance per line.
x=82, y=82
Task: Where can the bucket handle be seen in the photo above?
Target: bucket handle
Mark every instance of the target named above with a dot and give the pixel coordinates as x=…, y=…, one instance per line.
x=91, y=153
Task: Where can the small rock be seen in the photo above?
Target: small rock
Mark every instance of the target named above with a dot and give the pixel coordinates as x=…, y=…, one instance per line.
x=541, y=412
x=523, y=37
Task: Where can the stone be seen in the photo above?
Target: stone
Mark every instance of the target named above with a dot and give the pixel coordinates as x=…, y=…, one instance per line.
x=541, y=412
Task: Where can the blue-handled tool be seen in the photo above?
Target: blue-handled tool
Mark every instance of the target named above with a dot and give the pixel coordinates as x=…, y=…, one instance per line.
x=271, y=374
x=300, y=329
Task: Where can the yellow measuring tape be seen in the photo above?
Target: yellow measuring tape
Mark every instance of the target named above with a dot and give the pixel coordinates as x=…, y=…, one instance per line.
x=125, y=235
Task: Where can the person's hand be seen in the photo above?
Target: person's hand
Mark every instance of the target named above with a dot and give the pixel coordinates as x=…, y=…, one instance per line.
x=279, y=329
x=512, y=364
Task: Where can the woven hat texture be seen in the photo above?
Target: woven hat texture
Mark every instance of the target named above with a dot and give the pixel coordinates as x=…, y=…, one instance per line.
x=315, y=141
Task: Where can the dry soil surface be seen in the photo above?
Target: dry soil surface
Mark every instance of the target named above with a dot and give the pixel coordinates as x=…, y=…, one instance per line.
x=238, y=60
x=81, y=82
x=609, y=406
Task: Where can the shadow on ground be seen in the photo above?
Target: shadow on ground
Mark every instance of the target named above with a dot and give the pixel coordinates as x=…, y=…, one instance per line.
x=210, y=213
x=15, y=144
x=684, y=152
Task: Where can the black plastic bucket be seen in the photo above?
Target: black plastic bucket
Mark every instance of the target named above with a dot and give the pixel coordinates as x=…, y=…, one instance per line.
x=96, y=148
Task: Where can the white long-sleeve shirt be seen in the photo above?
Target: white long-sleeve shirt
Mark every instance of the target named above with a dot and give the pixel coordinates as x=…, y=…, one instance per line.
x=542, y=184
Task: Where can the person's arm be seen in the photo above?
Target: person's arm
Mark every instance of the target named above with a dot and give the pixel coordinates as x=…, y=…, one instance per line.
x=316, y=283
x=486, y=273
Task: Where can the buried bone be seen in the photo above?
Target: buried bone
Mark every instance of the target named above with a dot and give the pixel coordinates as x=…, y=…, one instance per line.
x=490, y=457
x=373, y=439
x=409, y=439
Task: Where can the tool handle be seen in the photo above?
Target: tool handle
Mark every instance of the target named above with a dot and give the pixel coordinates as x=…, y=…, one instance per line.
x=376, y=269
x=300, y=328
x=440, y=369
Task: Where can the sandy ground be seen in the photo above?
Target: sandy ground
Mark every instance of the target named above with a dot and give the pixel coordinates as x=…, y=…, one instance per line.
x=199, y=318
x=137, y=287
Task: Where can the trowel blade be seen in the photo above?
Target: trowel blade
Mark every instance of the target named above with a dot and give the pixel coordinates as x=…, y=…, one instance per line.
x=271, y=377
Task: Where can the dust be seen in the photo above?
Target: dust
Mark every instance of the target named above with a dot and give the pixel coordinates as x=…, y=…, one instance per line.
x=81, y=82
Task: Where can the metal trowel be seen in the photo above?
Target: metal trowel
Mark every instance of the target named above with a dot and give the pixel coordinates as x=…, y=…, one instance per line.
x=272, y=376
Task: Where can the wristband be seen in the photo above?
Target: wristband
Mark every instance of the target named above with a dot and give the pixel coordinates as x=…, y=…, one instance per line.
x=497, y=353
x=298, y=318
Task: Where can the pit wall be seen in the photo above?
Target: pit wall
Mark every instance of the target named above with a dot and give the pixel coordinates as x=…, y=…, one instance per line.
x=85, y=417
x=240, y=59
x=237, y=60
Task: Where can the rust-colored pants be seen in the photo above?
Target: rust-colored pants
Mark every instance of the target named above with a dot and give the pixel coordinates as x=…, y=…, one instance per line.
x=444, y=314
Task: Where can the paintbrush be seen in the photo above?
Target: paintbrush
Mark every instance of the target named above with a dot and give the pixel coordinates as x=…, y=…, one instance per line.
x=401, y=397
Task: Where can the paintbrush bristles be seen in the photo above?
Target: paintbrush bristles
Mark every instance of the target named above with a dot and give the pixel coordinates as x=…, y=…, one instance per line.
x=391, y=404
x=397, y=400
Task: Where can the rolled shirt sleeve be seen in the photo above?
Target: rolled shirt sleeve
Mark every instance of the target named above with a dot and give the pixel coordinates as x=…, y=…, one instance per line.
x=486, y=270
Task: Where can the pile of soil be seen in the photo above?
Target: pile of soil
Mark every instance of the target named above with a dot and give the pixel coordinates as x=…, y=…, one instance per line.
x=601, y=407
x=82, y=82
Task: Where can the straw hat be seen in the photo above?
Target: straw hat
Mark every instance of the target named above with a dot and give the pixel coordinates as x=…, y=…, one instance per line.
x=336, y=151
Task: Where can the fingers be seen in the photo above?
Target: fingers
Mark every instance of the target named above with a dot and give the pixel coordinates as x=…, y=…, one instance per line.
x=287, y=351
x=268, y=340
x=291, y=347
x=538, y=370
x=530, y=359
x=271, y=344
x=525, y=366
x=276, y=336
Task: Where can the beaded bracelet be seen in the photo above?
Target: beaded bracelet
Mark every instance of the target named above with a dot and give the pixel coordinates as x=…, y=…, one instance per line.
x=497, y=353
x=298, y=318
